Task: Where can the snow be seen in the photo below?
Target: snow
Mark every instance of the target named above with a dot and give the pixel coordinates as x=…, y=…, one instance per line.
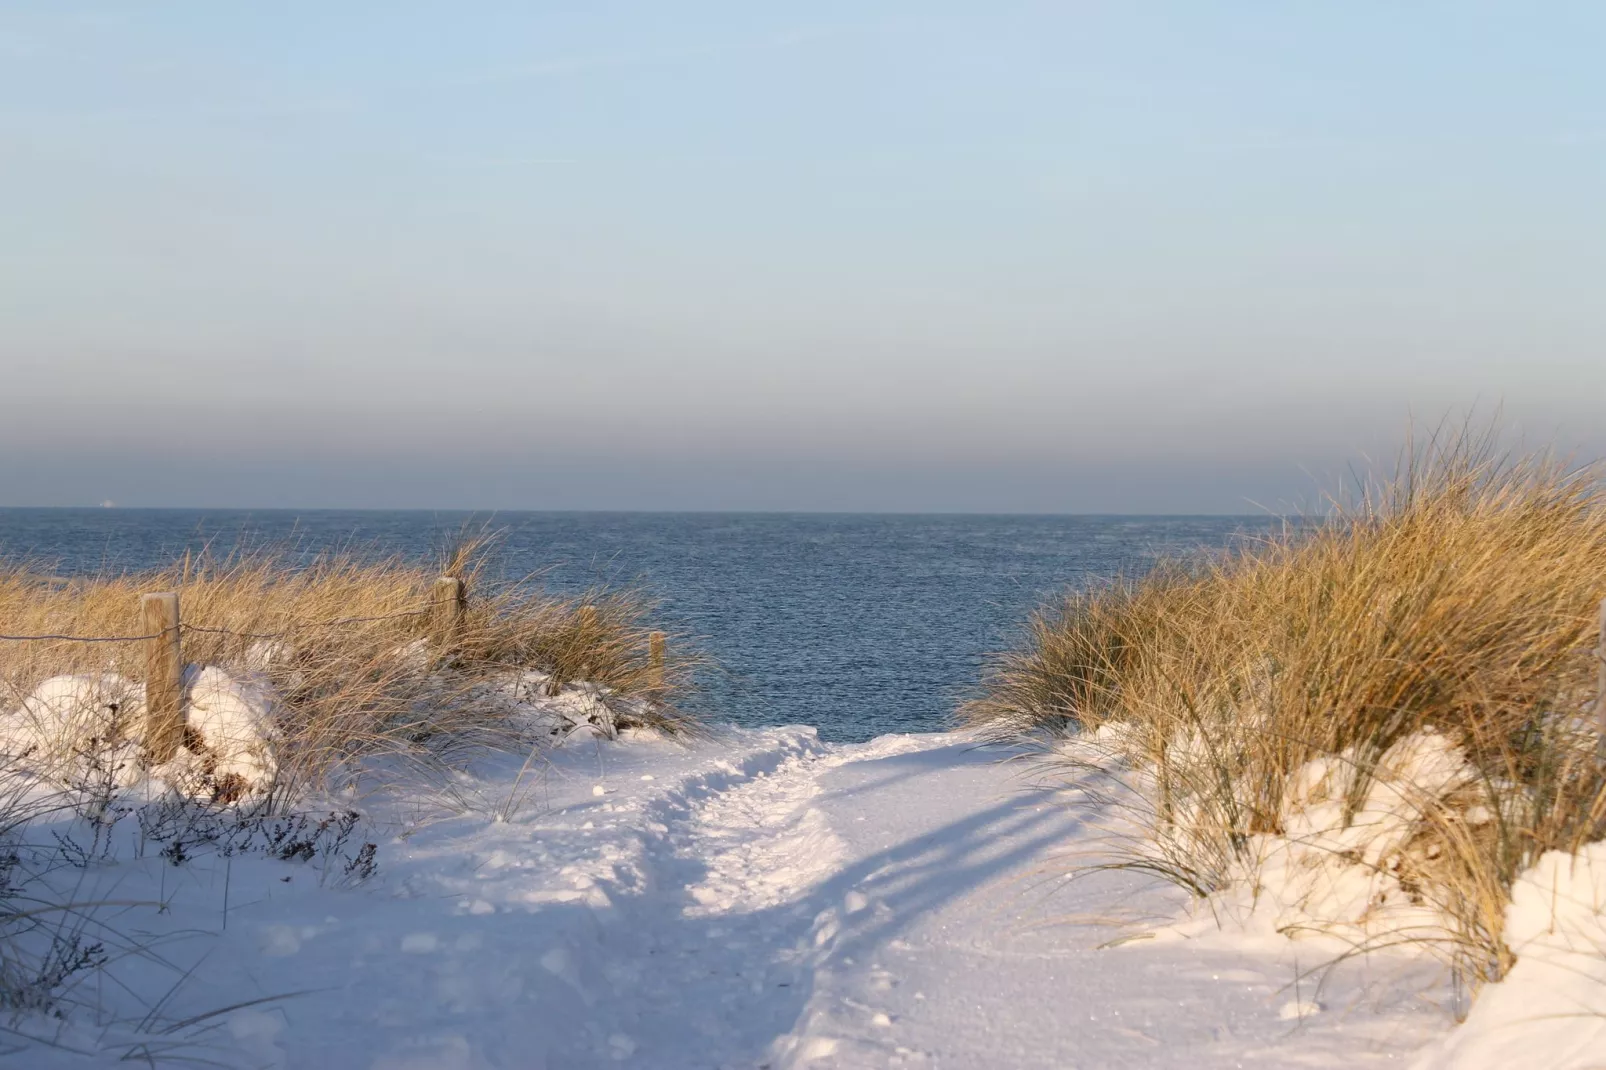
x=1332, y=879
x=1550, y=1009
x=754, y=899
x=1333, y=885
x=757, y=898
x=233, y=718
x=1339, y=876
x=85, y=732
x=66, y=719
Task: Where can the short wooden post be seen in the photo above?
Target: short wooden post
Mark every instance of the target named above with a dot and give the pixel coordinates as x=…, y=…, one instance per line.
x=447, y=609
x=655, y=665
x=164, y=677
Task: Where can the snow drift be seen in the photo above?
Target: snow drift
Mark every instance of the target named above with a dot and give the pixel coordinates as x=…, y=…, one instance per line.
x=1550, y=1008
x=83, y=732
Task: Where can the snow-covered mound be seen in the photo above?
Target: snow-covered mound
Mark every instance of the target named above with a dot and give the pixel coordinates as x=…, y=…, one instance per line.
x=1550, y=1008
x=71, y=730
x=1327, y=872
x=577, y=710
x=85, y=732
x=1350, y=875
x=230, y=722
x=1355, y=883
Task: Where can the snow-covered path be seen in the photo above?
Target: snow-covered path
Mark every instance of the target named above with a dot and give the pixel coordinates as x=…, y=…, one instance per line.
x=759, y=900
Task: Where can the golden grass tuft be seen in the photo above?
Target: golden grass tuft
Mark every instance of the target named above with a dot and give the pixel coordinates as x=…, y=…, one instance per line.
x=1459, y=596
x=342, y=638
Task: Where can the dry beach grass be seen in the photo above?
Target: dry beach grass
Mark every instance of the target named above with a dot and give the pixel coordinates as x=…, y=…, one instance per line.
x=1456, y=598
x=364, y=690
x=340, y=638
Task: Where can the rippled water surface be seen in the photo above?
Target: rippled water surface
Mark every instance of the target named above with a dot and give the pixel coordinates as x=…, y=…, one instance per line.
x=857, y=624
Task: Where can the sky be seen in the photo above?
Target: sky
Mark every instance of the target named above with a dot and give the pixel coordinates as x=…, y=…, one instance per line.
x=882, y=255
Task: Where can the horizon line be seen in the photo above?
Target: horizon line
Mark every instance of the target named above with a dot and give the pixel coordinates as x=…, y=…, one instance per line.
x=491, y=511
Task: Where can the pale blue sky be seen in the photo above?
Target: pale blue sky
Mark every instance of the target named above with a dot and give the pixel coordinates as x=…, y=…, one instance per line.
x=881, y=255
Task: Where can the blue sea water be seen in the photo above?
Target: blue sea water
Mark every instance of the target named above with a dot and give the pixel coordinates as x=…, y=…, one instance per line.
x=857, y=624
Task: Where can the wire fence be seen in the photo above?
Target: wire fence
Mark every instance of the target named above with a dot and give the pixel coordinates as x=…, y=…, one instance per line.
x=79, y=638
x=187, y=627
x=165, y=665
x=336, y=623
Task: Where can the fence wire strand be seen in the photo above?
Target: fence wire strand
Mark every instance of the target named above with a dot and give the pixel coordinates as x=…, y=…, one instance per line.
x=209, y=631
x=322, y=624
x=81, y=638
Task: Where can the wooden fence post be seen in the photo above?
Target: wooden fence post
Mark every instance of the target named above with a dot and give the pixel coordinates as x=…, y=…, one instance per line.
x=164, y=677
x=655, y=665
x=447, y=609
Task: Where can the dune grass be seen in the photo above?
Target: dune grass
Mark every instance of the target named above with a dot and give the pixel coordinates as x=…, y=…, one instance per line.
x=343, y=640
x=365, y=689
x=1457, y=597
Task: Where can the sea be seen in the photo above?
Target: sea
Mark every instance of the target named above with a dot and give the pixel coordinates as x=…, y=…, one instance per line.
x=857, y=624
